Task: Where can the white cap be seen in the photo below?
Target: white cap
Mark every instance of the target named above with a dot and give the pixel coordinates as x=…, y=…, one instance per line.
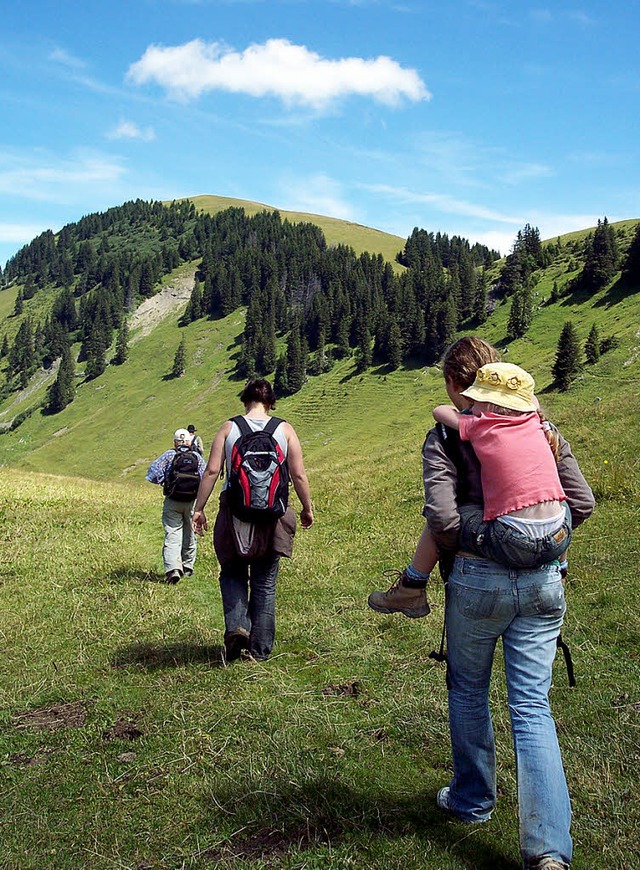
x=181, y=435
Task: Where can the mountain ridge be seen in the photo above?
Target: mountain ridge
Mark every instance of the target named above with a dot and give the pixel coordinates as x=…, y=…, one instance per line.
x=142, y=396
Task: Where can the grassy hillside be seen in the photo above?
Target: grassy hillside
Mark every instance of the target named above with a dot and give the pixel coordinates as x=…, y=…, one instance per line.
x=125, y=741
x=336, y=231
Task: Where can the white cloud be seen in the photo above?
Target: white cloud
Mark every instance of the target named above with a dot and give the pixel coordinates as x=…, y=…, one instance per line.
x=129, y=130
x=516, y=174
x=60, y=55
x=278, y=69
x=318, y=194
x=495, y=240
x=445, y=203
x=43, y=177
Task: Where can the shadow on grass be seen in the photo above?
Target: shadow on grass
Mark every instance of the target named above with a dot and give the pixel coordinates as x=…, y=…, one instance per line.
x=327, y=813
x=171, y=655
x=616, y=293
x=138, y=575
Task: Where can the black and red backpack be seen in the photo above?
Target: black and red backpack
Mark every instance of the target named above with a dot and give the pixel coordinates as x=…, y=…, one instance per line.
x=183, y=475
x=258, y=479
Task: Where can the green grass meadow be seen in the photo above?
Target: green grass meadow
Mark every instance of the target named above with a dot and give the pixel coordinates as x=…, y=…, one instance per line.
x=127, y=742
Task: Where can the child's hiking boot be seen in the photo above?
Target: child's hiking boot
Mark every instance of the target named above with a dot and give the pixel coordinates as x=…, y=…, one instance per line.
x=401, y=597
x=235, y=642
x=173, y=576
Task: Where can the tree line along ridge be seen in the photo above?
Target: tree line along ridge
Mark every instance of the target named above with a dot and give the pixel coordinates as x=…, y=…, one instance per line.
x=318, y=303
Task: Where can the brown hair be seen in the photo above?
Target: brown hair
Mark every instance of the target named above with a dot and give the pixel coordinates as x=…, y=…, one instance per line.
x=551, y=435
x=500, y=409
x=258, y=390
x=465, y=356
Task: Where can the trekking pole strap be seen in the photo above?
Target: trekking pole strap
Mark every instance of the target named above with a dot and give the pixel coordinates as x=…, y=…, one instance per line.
x=568, y=660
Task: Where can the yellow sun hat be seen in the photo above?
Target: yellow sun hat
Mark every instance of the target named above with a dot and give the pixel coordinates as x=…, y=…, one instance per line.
x=503, y=384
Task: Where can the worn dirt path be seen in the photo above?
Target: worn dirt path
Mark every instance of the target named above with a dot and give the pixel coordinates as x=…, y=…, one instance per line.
x=153, y=310
x=144, y=319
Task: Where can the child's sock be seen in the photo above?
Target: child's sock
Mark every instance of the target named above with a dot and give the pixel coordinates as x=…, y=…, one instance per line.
x=413, y=577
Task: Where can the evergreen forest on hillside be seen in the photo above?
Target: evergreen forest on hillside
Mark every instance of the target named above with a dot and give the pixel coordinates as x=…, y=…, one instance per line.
x=307, y=303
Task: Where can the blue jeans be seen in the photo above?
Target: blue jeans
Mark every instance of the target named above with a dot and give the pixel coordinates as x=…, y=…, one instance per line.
x=496, y=540
x=248, y=590
x=179, y=549
x=486, y=601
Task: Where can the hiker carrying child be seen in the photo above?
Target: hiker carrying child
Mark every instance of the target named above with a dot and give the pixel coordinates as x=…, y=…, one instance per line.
x=487, y=603
x=526, y=521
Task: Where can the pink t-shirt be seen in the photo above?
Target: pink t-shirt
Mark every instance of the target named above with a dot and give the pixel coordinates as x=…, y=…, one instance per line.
x=518, y=468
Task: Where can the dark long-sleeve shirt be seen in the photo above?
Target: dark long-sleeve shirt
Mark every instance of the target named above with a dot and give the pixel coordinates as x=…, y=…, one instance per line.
x=441, y=489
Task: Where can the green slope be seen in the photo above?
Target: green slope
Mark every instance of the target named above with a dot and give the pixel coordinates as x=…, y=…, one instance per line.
x=121, y=420
x=336, y=231
x=346, y=726
x=126, y=416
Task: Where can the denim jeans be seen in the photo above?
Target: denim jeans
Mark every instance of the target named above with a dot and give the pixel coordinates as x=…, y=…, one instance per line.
x=179, y=550
x=496, y=540
x=248, y=590
x=486, y=601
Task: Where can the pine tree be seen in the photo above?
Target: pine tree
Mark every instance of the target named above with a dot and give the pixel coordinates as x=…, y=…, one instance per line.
x=514, y=323
x=592, y=346
x=363, y=354
x=342, y=339
x=122, y=344
x=29, y=289
x=632, y=263
x=481, y=297
x=4, y=352
x=18, y=306
x=63, y=389
x=269, y=347
x=568, y=364
x=22, y=356
x=96, y=350
x=521, y=313
x=180, y=359
x=295, y=371
x=394, y=345
x=280, y=382
x=194, y=308
x=601, y=257
x=147, y=279
x=246, y=367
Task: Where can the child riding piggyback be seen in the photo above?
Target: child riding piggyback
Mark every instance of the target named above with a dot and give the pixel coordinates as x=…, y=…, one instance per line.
x=526, y=520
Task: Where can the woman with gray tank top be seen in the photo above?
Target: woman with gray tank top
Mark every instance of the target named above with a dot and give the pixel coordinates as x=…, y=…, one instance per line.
x=249, y=553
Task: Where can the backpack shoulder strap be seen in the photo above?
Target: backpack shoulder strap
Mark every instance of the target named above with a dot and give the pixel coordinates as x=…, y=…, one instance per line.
x=272, y=425
x=450, y=440
x=242, y=425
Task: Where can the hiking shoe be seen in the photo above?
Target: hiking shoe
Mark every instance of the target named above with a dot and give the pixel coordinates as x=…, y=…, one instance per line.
x=235, y=642
x=442, y=802
x=401, y=598
x=442, y=799
x=173, y=576
x=547, y=863
x=188, y=572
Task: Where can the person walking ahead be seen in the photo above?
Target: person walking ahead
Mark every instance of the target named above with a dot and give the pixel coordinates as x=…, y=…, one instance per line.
x=179, y=471
x=249, y=551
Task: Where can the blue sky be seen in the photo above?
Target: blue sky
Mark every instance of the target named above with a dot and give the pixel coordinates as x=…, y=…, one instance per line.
x=469, y=117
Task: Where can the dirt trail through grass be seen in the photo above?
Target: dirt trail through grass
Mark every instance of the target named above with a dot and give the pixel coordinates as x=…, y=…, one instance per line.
x=153, y=310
